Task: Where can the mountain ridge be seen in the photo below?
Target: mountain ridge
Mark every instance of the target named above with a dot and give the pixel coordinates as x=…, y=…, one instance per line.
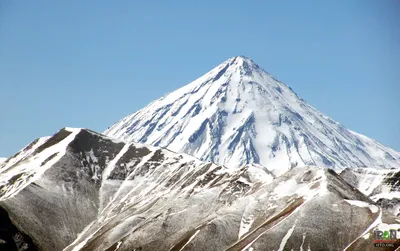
x=154, y=182
x=97, y=193
x=237, y=113
x=58, y=184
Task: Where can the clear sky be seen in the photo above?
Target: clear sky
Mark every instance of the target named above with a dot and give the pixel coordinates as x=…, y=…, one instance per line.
x=89, y=63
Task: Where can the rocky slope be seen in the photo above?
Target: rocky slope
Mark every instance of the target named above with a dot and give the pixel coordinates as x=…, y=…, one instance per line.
x=79, y=190
x=237, y=114
x=59, y=185
x=308, y=208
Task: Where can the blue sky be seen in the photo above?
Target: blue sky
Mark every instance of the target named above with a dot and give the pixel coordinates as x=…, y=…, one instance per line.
x=89, y=63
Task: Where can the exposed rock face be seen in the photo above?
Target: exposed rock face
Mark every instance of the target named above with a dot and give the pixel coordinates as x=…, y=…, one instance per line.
x=54, y=185
x=129, y=196
x=11, y=238
x=238, y=114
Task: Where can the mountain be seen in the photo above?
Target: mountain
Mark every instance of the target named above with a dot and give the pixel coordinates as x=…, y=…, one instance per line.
x=2, y=160
x=381, y=185
x=237, y=114
x=80, y=190
x=56, y=186
x=308, y=208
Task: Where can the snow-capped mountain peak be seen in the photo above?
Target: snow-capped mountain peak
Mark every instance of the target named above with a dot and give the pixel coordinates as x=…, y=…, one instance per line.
x=245, y=65
x=237, y=113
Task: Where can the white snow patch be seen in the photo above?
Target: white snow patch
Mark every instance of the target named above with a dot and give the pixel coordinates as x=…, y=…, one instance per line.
x=258, y=173
x=2, y=160
x=366, y=236
x=287, y=188
x=302, y=243
x=386, y=195
x=23, y=154
x=82, y=243
x=255, y=239
x=286, y=237
x=291, y=187
x=358, y=203
x=111, y=165
x=191, y=238
x=245, y=225
x=118, y=245
x=124, y=227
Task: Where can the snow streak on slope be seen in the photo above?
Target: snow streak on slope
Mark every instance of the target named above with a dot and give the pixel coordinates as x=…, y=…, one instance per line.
x=237, y=114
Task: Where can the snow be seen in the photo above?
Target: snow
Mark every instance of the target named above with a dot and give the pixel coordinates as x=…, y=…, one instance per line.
x=302, y=243
x=258, y=173
x=122, y=229
x=25, y=152
x=386, y=195
x=377, y=184
x=377, y=221
x=174, y=190
x=136, y=185
x=286, y=237
x=245, y=225
x=119, y=244
x=28, y=170
x=2, y=160
x=191, y=238
x=78, y=238
x=358, y=203
x=81, y=244
x=238, y=114
x=291, y=187
x=367, y=236
x=274, y=226
x=287, y=188
x=368, y=179
x=112, y=163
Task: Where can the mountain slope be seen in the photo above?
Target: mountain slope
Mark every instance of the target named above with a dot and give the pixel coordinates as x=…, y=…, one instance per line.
x=79, y=190
x=56, y=186
x=2, y=160
x=382, y=186
x=295, y=212
x=237, y=114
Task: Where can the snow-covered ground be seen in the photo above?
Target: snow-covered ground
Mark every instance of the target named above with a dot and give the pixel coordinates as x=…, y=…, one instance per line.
x=381, y=185
x=27, y=170
x=2, y=160
x=237, y=113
